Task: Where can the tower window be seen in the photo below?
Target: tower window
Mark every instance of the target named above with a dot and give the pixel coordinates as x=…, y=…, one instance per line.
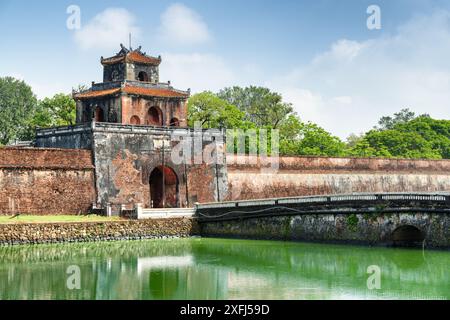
x=174, y=122
x=135, y=120
x=154, y=116
x=143, y=76
x=99, y=115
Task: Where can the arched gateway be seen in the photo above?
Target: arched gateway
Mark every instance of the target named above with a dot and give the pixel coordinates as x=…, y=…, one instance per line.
x=164, y=188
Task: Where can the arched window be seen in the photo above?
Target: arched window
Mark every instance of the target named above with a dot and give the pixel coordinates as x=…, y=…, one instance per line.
x=135, y=120
x=99, y=115
x=174, y=122
x=154, y=116
x=143, y=76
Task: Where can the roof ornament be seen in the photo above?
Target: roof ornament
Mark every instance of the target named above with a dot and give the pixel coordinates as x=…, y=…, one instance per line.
x=123, y=50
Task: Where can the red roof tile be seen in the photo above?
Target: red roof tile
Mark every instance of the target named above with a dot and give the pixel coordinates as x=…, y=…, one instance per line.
x=132, y=56
x=155, y=92
x=96, y=94
x=138, y=57
x=150, y=92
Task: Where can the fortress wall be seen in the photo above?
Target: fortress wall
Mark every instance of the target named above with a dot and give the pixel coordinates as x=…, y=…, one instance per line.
x=45, y=181
x=248, y=178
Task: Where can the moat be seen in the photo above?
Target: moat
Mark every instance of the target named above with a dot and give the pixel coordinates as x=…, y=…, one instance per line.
x=202, y=268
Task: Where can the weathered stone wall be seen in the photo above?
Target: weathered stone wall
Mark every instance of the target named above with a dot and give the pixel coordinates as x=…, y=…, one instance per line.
x=373, y=229
x=125, y=158
x=299, y=176
x=34, y=233
x=69, y=137
x=46, y=181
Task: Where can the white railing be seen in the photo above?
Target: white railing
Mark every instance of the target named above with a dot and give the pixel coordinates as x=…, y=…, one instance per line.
x=158, y=213
x=359, y=197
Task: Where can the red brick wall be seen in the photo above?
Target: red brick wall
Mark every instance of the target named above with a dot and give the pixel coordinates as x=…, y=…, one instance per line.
x=300, y=176
x=139, y=107
x=45, y=181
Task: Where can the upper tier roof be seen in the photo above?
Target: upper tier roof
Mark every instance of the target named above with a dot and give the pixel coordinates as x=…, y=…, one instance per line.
x=130, y=55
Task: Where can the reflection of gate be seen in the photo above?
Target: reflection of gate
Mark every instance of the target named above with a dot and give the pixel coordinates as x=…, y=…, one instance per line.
x=164, y=188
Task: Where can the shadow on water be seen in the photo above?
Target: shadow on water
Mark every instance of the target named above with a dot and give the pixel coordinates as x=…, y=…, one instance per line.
x=220, y=269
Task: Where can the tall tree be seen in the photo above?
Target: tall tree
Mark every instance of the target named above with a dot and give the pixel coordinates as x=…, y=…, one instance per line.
x=406, y=136
x=300, y=138
x=17, y=108
x=212, y=112
x=60, y=110
x=260, y=105
x=389, y=122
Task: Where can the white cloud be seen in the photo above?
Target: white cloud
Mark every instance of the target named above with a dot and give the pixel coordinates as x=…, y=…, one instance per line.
x=349, y=87
x=342, y=100
x=182, y=25
x=107, y=29
x=196, y=71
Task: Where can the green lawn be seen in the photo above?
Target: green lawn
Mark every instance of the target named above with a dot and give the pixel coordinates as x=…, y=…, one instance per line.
x=58, y=218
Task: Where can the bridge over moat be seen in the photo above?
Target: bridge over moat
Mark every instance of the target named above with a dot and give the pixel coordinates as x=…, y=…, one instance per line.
x=375, y=219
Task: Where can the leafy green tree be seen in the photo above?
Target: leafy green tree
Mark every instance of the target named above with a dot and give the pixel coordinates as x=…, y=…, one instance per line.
x=353, y=140
x=407, y=137
x=60, y=110
x=388, y=122
x=317, y=141
x=213, y=112
x=299, y=138
x=17, y=108
x=260, y=105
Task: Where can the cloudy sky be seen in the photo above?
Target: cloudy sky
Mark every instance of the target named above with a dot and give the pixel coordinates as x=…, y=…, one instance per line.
x=318, y=54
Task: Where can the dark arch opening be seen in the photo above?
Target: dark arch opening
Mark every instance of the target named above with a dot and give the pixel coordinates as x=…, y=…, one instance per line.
x=174, y=122
x=135, y=120
x=164, y=194
x=154, y=116
x=407, y=236
x=99, y=115
x=143, y=76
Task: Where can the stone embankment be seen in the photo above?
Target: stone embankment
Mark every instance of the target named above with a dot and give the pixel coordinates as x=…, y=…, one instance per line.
x=36, y=233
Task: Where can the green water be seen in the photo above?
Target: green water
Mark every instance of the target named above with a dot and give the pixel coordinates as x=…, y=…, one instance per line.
x=220, y=269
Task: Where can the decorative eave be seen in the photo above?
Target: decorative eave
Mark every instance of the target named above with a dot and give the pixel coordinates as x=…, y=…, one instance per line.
x=133, y=56
x=132, y=88
x=90, y=94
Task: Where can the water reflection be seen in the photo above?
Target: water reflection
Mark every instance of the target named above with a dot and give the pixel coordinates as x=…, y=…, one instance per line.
x=220, y=269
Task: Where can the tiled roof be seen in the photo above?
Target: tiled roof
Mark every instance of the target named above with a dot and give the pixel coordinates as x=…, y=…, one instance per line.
x=150, y=92
x=132, y=56
x=156, y=92
x=96, y=93
x=138, y=57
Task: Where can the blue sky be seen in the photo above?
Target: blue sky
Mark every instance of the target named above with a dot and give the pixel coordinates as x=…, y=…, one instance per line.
x=319, y=54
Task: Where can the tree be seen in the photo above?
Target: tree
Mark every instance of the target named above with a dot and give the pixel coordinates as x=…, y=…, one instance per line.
x=213, y=112
x=388, y=122
x=315, y=140
x=17, y=108
x=299, y=138
x=60, y=110
x=407, y=137
x=260, y=105
x=354, y=139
